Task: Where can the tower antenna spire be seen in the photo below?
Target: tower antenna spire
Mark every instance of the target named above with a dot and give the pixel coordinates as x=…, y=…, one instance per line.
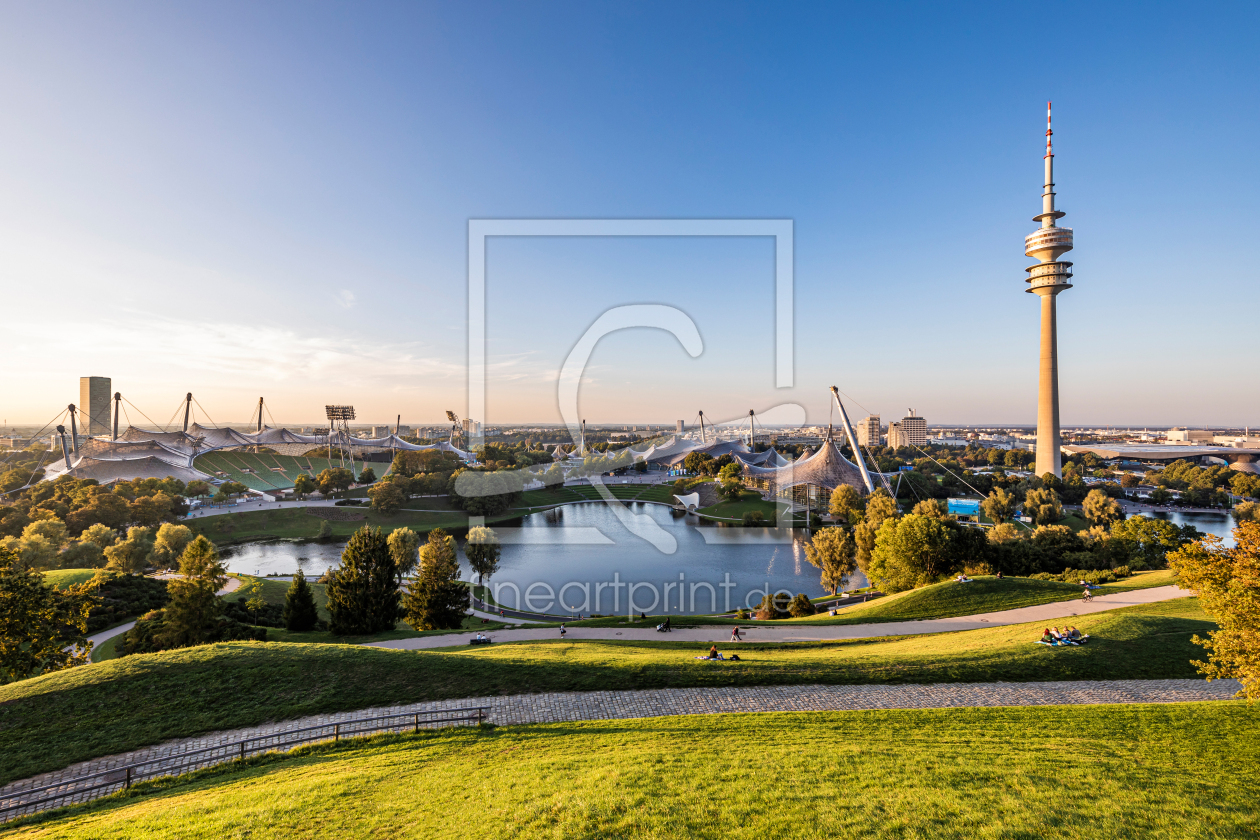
x=1049, y=133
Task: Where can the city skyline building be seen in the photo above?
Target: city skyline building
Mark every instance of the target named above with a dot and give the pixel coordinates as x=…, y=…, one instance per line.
x=93, y=405
x=913, y=429
x=1047, y=279
x=868, y=431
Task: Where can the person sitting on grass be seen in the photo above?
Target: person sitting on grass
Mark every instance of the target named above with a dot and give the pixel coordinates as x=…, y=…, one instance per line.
x=1047, y=637
x=1077, y=636
x=713, y=653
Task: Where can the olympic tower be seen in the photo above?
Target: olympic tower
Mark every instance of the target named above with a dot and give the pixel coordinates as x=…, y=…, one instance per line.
x=1047, y=278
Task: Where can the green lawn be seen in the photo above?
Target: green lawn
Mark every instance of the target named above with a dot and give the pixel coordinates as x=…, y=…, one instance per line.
x=748, y=502
x=1152, y=772
x=61, y=578
x=54, y=720
x=297, y=524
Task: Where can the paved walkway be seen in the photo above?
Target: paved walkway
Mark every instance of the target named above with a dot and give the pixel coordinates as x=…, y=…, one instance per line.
x=620, y=705
x=1048, y=613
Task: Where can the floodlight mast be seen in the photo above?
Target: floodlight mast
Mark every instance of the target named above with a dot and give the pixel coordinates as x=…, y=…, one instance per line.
x=117, y=411
x=187, y=409
x=339, y=417
x=857, y=451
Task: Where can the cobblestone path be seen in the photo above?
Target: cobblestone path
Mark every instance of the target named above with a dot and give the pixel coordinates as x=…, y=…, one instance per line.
x=171, y=757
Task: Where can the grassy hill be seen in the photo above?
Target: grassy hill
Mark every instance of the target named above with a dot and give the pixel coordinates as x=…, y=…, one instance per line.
x=939, y=600
x=1155, y=771
x=54, y=720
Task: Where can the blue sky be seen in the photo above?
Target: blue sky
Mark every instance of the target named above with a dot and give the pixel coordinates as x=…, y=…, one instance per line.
x=272, y=199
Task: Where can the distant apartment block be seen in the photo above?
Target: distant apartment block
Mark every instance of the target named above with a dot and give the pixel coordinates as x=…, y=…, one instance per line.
x=868, y=431
x=913, y=430
x=895, y=438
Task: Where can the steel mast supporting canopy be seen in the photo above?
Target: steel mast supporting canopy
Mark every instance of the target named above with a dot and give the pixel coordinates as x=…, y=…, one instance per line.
x=857, y=452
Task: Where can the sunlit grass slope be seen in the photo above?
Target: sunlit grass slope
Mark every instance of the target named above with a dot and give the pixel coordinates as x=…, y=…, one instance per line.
x=51, y=721
x=1173, y=771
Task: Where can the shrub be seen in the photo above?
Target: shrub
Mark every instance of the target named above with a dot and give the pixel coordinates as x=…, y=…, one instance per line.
x=754, y=518
x=268, y=615
x=120, y=597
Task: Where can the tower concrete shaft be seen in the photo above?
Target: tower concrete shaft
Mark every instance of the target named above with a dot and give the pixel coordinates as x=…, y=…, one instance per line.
x=1048, y=278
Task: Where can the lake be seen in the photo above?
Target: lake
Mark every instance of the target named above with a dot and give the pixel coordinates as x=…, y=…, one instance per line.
x=581, y=558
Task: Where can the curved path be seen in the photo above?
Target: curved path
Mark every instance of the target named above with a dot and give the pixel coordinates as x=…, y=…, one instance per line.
x=619, y=705
x=788, y=632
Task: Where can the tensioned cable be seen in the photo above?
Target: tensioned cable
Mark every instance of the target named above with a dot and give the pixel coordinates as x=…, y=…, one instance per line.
x=203, y=411
x=142, y=414
x=40, y=461
x=170, y=422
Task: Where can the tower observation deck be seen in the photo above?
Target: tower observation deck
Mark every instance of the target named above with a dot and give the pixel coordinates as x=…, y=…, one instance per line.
x=1047, y=278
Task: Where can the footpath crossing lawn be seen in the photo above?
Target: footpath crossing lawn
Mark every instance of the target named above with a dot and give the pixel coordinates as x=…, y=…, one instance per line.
x=54, y=720
x=942, y=600
x=1151, y=772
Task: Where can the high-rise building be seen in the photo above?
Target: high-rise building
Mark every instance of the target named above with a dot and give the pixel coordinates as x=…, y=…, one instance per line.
x=913, y=430
x=895, y=438
x=679, y=427
x=868, y=431
x=94, y=404
x=1047, y=278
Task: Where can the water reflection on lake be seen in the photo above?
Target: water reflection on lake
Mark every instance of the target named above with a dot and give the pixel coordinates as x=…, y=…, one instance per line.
x=580, y=558
x=1220, y=524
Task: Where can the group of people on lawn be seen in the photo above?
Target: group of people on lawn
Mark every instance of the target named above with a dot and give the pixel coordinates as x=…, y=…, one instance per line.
x=1067, y=636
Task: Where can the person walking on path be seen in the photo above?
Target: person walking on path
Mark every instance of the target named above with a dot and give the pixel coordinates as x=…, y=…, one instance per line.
x=735, y=637
x=562, y=631
x=668, y=629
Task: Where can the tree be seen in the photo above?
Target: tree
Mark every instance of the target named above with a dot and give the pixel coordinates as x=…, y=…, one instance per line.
x=131, y=556
x=300, y=613
x=363, y=591
x=753, y=519
x=1247, y=511
x=194, y=608
x=254, y=602
x=102, y=535
x=1160, y=496
x=333, y=479
x=773, y=605
x=929, y=507
x=801, y=606
x=1152, y=539
x=846, y=504
x=386, y=497
x=483, y=550
x=42, y=629
x=325, y=530
x=303, y=486
x=484, y=493
x=1101, y=509
x=1043, y=506
x=1129, y=481
x=404, y=545
x=196, y=489
x=864, y=537
x=437, y=601
x=169, y=544
x=999, y=506
x=909, y=552
x=834, y=551
x=1227, y=581
x=367, y=475
x=879, y=506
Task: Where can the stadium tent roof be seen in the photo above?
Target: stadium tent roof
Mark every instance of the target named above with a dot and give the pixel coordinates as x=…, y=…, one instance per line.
x=825, y=468
x=177, y=450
